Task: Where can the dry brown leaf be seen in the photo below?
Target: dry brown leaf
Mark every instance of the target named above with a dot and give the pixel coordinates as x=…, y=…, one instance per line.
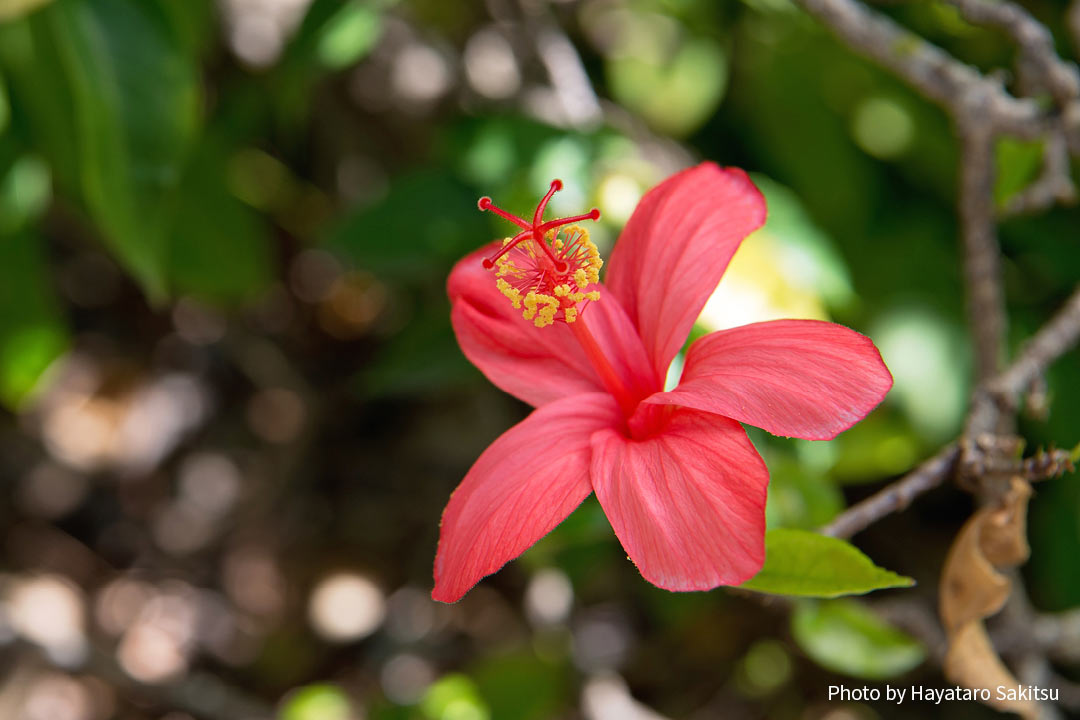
x=973, y=589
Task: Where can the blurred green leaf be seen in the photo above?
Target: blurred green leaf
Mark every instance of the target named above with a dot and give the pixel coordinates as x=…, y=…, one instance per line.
x=25, y=191
x=787, y=63
x=454, y=697
x=1017, y=166
x=802, y=563
x=420, y=360
x=880, y=446
x=846, y=637
x=675, y=91
x=333, y=35
x=336, y=33
x=193, y=22
x=494, y=152
x=922, y=350
x=218, y=248
x=520, y=687
x=316, y=702
x=348, y=35
x=32, y=333
x=1055, y=531
x=113, y=102
x=10, y=9
x=426, y=221
x=812, y=257
x=799, y=497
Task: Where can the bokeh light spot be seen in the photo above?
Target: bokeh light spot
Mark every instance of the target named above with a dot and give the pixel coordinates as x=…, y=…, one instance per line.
x=549, y=597
x=346, y=607
x=883, y=127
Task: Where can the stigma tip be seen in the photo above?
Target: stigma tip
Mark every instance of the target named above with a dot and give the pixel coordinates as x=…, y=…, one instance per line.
x=556, y=184
x=484, y=203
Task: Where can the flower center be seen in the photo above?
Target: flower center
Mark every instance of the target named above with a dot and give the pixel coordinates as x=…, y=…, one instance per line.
x=547, y=269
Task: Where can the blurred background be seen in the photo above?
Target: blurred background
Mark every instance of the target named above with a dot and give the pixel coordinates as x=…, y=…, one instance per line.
x=234, y=408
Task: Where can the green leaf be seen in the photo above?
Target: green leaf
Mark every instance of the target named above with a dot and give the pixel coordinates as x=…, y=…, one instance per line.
x=520, y=686
x=454, y=697
x=316, y=702
x=335, y=34
x=32, y=333
x=218, y=248
x=112, y=100
x=846, y=637
x=10, y=9
x=426, y=221
x=800, y=497
x=675, y=89
x=422, y=359
x=25, y=191
x=349, y=35
x=803, y=563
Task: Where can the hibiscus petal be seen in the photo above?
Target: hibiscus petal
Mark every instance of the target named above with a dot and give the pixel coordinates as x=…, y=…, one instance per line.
x=676, y=246
x=539, y=365
x=688, y=503
x=519, y=489
x=798, y=378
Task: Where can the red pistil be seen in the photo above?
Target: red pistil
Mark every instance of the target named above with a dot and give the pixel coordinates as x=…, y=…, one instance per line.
x=610, y=379
x=536, y=229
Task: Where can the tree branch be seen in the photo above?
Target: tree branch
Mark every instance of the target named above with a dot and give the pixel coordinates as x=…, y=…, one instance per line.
x=894, y=497
x=1040, y=66
x=982, y=256
x=939, y=76
x=1060, y=334
x=1059, y=635
x=1052, y=341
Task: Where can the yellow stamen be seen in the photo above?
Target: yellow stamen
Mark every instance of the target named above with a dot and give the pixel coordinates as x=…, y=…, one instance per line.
x=530, y=306
x=552, y=296
x=509, y=291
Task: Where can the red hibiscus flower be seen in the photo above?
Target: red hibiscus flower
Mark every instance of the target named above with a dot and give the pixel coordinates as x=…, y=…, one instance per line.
x=676, y=475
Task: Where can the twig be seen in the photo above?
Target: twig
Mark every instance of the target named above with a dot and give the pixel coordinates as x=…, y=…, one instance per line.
x=1029, y=658
x=574, y=102
x=929, y=69
x=1055, y=338
x=1060, y=334
x=1059, y=635
x=1040, y=68
x=894, y=497
x=982, y=256
x=568, y=77
x=916, y=617
x=1039, y=62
